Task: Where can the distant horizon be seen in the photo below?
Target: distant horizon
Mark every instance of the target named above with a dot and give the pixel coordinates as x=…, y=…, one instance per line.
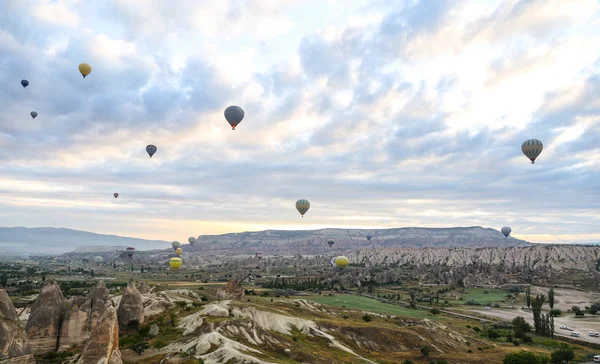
x=184, y=240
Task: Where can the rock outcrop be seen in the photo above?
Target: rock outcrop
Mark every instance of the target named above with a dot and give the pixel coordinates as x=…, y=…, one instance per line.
x=131, y=306
x=103, y=344
x=82, y=315
x=14, y=346
x=144, y=288
x=233, y=291
x=313, y=241
x=43, y=325
x=556, y=257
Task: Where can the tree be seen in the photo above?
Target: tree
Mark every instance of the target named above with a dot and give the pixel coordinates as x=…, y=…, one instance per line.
x=555, y=312
x=524, y=357
x=3, y=280
x=594, y=308
x=528, y=297
x=544, y=324
x=425, y=350
x=561, y=355
x=140, y=347
x=551, y=298
x=43, y=277
x=434, y=311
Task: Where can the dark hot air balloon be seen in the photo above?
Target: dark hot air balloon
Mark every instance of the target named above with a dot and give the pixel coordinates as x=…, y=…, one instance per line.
x=24, y=83
x=116, y=195
x=506, y=231
x=130, y=251
x=151, y=149
x=234, y=115
x=33, y=114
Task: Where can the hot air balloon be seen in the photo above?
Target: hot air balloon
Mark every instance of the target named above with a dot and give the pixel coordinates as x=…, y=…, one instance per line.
x=175, y=245
x=116, y=195
x=24, y=256
x=151, y=149
x=341, y=261
x=506, y=231
x=24, y=83
x=532, y=149
x=369, y=237
x=175, y=263
x=259, y=255
x=98, y=259
x=191, y=240
x=330, y=243
x=234, y=116
x=179, y=251
x=130, y=251
x=33, y=114
x=85, y=69
x=302, y=206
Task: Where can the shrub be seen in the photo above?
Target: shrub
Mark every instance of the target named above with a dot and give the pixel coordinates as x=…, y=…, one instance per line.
x=476, y=329
x=435, y=311
x=425, y=350
x=555, y=312
x=367, y=318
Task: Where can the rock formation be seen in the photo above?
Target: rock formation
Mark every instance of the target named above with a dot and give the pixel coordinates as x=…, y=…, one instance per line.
x=313, y=241
x=103, y=344
x=154, y=330
x=82, y=315
x=131, y=306
x=14, y=346
x=144, y=288
x=43, y=326
x=233, y=291
x=556, y=257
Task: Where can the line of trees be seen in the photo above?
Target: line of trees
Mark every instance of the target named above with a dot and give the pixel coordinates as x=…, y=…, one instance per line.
x=543, y=323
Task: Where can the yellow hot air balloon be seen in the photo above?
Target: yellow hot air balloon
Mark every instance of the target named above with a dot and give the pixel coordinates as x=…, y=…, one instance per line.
x=341, y=261
x=175, y=263
x=179, y=251
x=85, y=69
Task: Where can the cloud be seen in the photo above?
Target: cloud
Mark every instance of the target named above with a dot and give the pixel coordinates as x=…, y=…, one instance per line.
x=402, y=114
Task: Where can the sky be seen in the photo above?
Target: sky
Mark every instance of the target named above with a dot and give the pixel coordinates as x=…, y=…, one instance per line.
x=381, y=113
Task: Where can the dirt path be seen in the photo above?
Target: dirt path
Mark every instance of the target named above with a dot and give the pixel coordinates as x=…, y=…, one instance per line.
x=565, y=298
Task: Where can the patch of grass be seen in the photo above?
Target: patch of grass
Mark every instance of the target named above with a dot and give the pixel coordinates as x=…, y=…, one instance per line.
x=368, y=304
x=477, y=294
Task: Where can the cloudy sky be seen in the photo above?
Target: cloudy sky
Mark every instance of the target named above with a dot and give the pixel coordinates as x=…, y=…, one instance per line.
x=380, y=113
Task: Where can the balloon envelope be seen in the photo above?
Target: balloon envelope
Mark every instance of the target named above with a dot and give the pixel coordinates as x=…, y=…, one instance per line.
x=175, y=245
x=33, y=114
x=175, y=263
x=191, y=240
x=179, y=251
x=330, y=243
x=24, y=256
x=85, y=69
x=341, y=261
x=24, y=83
x=369, y=237
x=302, y=206
x=151, y=149
x=98, y=259
x=532, y=149
x=116, y=195
x=259, y=255
x=234, y=115
x=506, y=231
x=130, y=251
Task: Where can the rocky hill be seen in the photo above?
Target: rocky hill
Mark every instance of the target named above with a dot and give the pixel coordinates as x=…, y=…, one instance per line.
x=558, y=257
x=315, y=241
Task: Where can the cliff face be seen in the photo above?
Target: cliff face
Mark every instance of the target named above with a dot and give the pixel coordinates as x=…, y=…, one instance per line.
x=315, y=241
x=558, y=257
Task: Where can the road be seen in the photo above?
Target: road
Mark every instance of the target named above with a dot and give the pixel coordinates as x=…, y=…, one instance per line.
x=581, y=325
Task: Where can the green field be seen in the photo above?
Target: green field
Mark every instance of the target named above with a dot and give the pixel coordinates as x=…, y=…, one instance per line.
x=352, y=302
x=493, y=295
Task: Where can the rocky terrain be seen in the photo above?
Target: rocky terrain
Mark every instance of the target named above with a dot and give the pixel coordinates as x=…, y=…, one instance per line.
x=14, y=345
x=557, y=257
x=314, y=241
